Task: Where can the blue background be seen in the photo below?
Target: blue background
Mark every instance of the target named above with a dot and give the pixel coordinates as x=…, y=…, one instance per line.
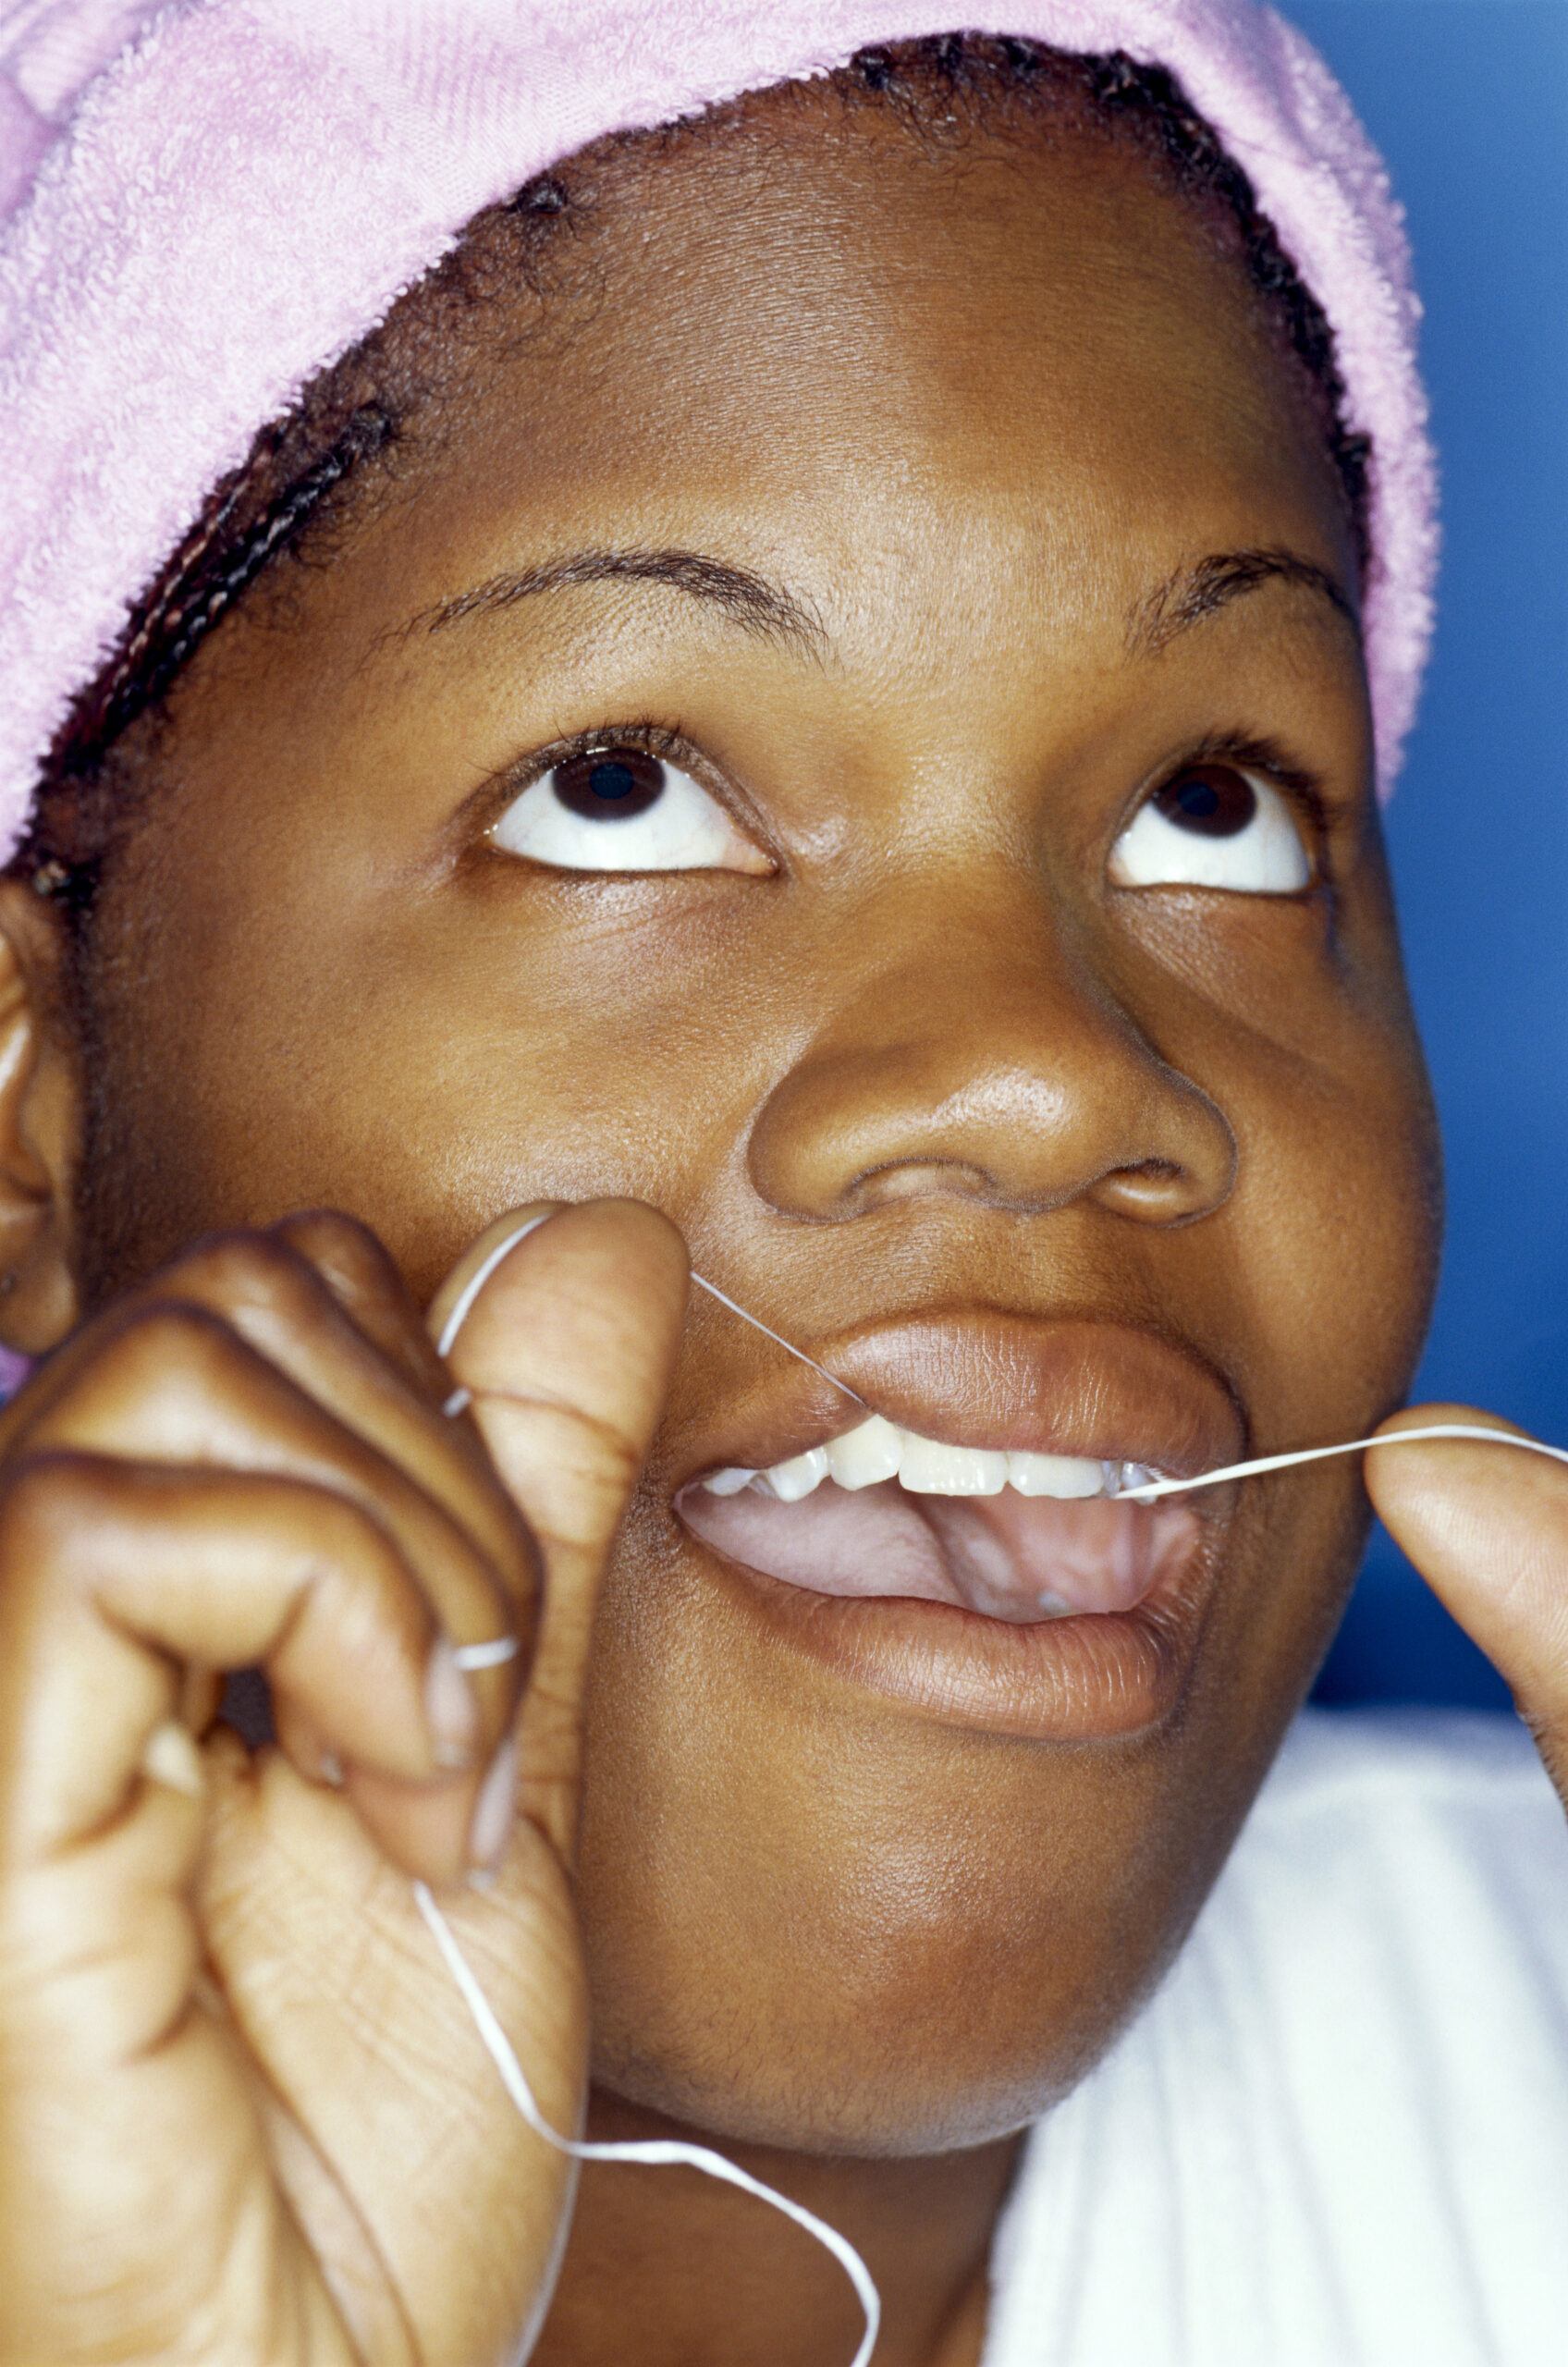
x=1468, y=100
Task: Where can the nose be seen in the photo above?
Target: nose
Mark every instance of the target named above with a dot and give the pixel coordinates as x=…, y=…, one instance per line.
x=988, y=1060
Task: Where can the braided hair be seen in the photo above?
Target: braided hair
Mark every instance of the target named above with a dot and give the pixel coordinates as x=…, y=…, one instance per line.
x=310, y=469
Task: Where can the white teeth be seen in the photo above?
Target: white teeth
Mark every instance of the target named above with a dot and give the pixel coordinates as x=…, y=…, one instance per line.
x=728, y=1483
x=863, y=1457
x=1057, y=1475
x=879, y=1450
x=929, y=1469
x=789, y=1481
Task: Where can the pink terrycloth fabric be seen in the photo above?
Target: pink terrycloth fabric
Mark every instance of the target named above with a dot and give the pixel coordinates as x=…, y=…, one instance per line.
x=202, y=202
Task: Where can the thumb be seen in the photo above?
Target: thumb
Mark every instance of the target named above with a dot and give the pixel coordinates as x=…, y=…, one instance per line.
x=1488, y=1528
x=567, y=1350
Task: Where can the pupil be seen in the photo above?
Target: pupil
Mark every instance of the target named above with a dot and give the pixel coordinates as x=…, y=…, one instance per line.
x=611, y=781
x=1211, y=801
x=609, y=784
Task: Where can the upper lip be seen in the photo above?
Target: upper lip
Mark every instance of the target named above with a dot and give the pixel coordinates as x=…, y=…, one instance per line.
x=985, y=1378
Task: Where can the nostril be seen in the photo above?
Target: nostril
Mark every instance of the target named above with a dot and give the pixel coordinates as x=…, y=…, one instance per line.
x=917, y=1178
x=1164, y=1191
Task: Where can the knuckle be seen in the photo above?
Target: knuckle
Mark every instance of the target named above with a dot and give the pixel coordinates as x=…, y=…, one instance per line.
x=329, y=1237
x=49, y=1503
x=172, y=1344
x=238, y=1268
x=347, y=1259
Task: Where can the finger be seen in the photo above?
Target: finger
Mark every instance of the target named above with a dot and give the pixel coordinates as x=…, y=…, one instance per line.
x=354, y=1267
x=333, y=1982
x=568, y=1351
x=318, y=1297
x=1488, y=1528
x=113, y=2080
x=177, y=1386
x=112, y=1576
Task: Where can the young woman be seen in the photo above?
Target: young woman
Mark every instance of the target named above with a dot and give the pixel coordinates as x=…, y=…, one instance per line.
x=769, y=641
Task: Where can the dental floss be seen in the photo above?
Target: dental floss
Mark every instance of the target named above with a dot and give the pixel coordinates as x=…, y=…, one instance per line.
x=494, y=1654
x=714, y=1290
x=462, y=1398
x=661, y=2152
x=1155, y=1487
x=463, y=1307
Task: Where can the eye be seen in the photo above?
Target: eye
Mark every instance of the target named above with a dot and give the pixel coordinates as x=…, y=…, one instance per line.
x=621, y=809
x=1214, y=825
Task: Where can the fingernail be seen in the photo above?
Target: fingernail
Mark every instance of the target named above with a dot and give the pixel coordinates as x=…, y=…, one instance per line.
x=451, y=1708
x=491, y=1829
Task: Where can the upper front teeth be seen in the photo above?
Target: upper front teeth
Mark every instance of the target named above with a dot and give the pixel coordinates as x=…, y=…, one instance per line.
x=926, y=1469
x=797, y=1477
x=879, y=1450
x=876, y=1451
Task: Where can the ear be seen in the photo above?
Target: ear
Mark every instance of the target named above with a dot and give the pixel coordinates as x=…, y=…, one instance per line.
x=39, y=1126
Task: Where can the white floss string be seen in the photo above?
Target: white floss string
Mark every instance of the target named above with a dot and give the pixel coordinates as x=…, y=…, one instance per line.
x=724, y=1300
x=660, y=2152
x=655, y=2152
x=1146, y=1495
x=463, y=1307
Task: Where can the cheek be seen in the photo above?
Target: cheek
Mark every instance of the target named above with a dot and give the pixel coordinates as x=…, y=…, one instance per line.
x=1341, y=1203
x=423, y=1064
x=1317, y=1279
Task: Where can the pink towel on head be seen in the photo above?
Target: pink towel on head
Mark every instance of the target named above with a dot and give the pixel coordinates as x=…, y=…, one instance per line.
x=203, y=202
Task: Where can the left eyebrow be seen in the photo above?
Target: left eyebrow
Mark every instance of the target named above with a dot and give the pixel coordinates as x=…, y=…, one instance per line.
x=749, y=601
x=1204, y=586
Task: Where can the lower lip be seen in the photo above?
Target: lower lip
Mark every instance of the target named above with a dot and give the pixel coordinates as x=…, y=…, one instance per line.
x=1100, y=1676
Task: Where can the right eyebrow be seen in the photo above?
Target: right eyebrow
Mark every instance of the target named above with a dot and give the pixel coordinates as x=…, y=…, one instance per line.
x=766, y=609
x=1206, y=585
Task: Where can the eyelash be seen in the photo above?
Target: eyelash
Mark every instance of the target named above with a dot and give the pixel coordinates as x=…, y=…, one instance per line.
x=1254, y=752
x=667, y=742
x=1250, y=753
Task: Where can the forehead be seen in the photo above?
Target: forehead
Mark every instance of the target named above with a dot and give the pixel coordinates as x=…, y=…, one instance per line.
x=815, y=327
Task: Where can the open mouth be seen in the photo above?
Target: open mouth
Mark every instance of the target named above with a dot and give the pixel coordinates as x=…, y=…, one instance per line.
x=1013, y=1535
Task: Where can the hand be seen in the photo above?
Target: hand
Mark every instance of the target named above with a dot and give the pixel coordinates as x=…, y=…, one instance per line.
x=1488, y=1528
x=243, y=2114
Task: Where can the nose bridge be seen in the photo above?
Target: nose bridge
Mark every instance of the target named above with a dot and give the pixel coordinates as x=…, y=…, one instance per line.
x=988, y=1057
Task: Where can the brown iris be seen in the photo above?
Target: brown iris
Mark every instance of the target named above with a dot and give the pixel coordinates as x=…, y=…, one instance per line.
x=1209, y=801
x=609, y=784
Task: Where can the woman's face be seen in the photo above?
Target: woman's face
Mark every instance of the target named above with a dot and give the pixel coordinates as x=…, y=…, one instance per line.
x=923, y=511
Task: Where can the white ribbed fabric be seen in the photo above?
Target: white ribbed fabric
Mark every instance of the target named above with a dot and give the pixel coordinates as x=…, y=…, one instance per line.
x=1339, y=2136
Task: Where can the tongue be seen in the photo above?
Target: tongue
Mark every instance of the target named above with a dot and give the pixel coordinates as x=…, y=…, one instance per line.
x=1021, y=1558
